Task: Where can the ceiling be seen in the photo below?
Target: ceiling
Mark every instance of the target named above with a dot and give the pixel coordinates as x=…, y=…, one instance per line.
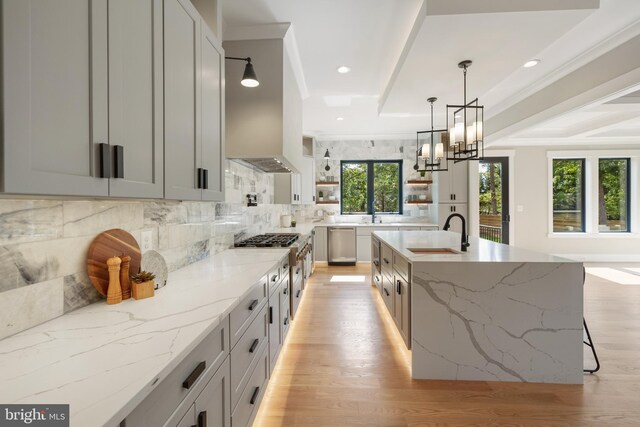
x=401, y=52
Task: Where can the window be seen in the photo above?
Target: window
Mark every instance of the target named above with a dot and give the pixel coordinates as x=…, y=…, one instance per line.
x=568, y=195
x=613, y=195
x=371, y=186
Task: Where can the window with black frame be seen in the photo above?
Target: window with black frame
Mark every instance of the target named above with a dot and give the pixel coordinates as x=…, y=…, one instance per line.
x=614, y=195
x=568, y=195
x=371, y=186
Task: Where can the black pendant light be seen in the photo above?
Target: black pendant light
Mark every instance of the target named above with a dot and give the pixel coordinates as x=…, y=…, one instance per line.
x=326, y=157
x=466, y=134
x=431, y=147
x=249, y=78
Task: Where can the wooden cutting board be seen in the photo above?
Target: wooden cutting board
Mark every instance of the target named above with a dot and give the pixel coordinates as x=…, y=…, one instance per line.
x=110, y=243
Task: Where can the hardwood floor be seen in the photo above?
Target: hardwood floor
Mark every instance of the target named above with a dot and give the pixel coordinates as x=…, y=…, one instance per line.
x=344, y=364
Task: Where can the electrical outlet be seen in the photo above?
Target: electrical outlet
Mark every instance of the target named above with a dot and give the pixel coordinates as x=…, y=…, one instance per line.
x=147, y=240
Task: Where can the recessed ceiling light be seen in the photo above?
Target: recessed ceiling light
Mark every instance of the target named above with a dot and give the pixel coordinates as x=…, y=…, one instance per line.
x=339, y=119
x=343, y=69
x=531, y=63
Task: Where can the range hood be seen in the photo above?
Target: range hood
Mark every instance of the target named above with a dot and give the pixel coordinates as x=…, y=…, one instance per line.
x=263, y=123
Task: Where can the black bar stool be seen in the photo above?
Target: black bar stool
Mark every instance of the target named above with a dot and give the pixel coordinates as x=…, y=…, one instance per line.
x=589, y=341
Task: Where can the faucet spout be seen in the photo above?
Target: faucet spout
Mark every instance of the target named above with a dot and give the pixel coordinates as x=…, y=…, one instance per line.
x=464, y=240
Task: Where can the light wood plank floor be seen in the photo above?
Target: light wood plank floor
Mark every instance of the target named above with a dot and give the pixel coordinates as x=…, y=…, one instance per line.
x=344, y=364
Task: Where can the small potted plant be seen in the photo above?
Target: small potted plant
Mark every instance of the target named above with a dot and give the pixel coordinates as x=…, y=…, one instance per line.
x=142, y=285
x=320, y=195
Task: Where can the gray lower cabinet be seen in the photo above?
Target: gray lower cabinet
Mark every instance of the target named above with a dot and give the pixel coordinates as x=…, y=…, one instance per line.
x=194, y=99
x=402, y=310
x=188, y=418
x=320, y=244
x=82, y=101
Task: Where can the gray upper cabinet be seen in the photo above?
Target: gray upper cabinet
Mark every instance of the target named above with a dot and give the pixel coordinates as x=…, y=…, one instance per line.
x=54, y=96
x=193, y=94
x=212, y=121
x=135, y=98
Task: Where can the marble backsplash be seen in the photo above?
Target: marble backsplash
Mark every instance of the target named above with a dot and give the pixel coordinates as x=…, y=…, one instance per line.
x=43, y=243
x=401, y=149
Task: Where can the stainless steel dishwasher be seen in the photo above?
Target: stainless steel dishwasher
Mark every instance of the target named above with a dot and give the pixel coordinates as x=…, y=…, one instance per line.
x=342, y=246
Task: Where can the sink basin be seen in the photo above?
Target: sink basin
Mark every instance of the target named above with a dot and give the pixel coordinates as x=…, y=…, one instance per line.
x=433, y=251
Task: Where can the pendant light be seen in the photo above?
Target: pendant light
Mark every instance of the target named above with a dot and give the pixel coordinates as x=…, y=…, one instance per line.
x=326, y=157
x=249, y=77
x=431, y=147
x=466, y=137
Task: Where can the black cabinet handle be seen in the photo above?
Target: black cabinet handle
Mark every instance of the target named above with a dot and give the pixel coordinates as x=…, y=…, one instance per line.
x=385, y=260
x=254, y=345
x=274, y=278
x=298, y=294
x=105, y=161
x=193, y=376
x=376, y=262
x=286, y=291
x=285, y=268
x=202, y=419
x=118, y=155
x=399, y=287
x=253, y=304
x=377, y=279
x=199, y=173
x=254, y=396
x=386, y=291
x=205, y=179
x=298, y=270
x=271, y=315
x=286, y=320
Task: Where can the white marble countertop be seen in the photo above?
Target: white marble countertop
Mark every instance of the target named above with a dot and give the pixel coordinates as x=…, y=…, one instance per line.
x=101, y=359
x=368, y=224
x=481, y=250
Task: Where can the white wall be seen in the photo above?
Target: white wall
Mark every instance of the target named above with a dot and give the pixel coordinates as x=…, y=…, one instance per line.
x=531, y=225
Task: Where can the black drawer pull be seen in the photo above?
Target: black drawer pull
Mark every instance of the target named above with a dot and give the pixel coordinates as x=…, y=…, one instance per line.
x=118, y=167
x=199, y=173
x=377, y=279
x=205, y=179
x=376, y=262
x=285, y=267
x=286, y=320
x=274, y=278
x=271, y=315
x=286, y=291
x=254, y=396
x=193, y=376
x=386, y=291
x=298, y=270
x=386, y=261
x=253, y=304
x=399, y=287
x=254, y=345
x=202, y=419
x=105, y=160
x=298, y=294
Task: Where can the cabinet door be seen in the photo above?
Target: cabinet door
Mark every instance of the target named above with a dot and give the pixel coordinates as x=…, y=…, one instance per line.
x=446, y=209
x=320, y=243
x=54, y=94
x=406, y=312
x=363, y=248
x=135, y=97
x=307, y=192
x=459, y=182
x=275, y=333
x=212, y=115
x=182, y=93
x=441, y=190
x=397, y=300
x=213, y=406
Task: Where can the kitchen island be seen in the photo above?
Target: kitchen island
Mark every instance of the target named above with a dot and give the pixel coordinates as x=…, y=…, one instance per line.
x=493, y=313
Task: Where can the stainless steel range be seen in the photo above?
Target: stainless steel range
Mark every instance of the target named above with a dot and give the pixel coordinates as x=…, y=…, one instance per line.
x=300, y=259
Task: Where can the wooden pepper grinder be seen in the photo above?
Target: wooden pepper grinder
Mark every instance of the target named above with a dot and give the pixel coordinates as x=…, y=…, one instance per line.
x=114, y=292
x=125, y=282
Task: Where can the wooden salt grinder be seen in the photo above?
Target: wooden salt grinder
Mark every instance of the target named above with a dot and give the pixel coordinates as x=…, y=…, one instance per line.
x=114, y=292
x=125, y=282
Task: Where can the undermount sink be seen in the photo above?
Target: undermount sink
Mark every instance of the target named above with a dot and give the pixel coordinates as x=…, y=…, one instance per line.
x=433, y=251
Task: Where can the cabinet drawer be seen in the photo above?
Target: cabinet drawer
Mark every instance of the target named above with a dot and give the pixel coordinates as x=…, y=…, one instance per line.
x=285, y=319
x=285, y=290
x=401, y=265
x=242, y=316
x=273, y=279
x=190, y=376
x=244, y=354
x=387, y=293
x=275, y=332
x=296, y=297
x=250, y=399
x=386, y=260
x=297, y=272
x=284, y=268
x=377, y=280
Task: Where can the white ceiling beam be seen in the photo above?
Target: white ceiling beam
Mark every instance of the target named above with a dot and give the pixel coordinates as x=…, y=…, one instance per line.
x=603, y=79
x=462, y=7
x=583, y=130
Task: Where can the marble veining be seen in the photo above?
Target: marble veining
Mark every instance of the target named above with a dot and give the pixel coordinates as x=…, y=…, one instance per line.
x=102, y=359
